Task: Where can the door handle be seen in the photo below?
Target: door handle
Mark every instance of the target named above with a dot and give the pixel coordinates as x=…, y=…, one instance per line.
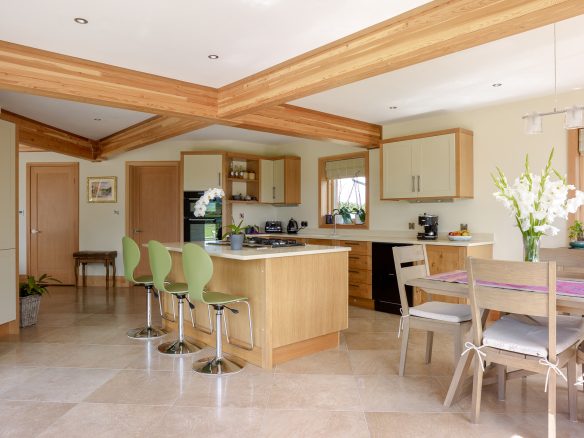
x=413, y=183
x=418, y=183
x=33, y=231
x=136, y=230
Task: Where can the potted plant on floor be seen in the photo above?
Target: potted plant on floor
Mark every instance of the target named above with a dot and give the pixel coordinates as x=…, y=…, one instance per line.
x=30, y=292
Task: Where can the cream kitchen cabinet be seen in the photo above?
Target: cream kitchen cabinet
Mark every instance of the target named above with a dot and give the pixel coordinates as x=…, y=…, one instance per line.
x=280, y=180
x=435, y=165
x=202, y=170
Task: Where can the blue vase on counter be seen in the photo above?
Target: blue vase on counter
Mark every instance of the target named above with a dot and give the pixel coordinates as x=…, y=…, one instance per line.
x=237, y=241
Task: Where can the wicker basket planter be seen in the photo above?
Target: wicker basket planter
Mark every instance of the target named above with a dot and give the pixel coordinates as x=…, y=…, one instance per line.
x=29, y=310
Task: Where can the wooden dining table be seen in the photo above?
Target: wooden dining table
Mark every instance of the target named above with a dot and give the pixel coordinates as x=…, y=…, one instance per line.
x=573, y=304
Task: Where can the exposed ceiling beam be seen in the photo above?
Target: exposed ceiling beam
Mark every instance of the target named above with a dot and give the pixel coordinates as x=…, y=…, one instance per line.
x=50, y=74
x=430, y=31
x=305, y=123
x=150, y=131
x=41, y=136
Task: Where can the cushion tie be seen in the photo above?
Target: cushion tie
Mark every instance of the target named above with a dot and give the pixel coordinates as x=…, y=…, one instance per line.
x=470, y=346
x=551, y=366
x=401, y=322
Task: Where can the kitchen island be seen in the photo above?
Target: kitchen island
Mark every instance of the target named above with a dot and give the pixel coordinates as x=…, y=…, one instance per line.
x=298, y=298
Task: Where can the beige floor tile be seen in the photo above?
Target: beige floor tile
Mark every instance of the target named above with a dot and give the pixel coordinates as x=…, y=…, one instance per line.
x=303, y=423
x=308, y=391
x=325, y=362
x=22, y=419
x=402, y=394
x=366, y=362
x=96, y=356
x=105, y=420
x=31, y=354
x=423, y=424
x=140, y=387
x=372, y=325
x=11, y=376
x=208, y=422
x=151, y=359
x=247, y=389
x=67, y=385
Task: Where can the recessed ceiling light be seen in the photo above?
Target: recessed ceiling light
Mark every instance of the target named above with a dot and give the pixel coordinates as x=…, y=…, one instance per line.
x=97, y=119
x=393, y=107
x=213, y=56
x=497, y=84
x=80, y=20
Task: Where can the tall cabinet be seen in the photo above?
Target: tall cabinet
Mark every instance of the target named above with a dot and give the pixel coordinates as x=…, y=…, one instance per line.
x=8, y=224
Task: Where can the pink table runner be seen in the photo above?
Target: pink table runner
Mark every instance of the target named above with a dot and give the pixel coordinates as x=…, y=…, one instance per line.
x=573, y=288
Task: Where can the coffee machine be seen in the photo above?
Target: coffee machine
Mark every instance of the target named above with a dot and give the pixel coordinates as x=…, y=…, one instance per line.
x=430, y=224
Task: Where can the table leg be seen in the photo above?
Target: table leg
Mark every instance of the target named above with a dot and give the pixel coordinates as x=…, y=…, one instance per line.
x=83, y=264
x=76, y=272
x=114, y=269
x=106, y=273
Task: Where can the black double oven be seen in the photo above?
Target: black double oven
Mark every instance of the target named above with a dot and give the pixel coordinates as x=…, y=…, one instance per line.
x=207, y=227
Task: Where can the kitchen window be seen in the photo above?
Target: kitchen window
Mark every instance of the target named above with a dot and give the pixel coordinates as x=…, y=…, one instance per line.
x=343, y=190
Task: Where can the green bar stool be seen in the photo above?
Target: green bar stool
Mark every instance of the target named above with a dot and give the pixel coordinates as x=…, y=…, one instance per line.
x=198, y=270
x=160, y=265
x=131, y=259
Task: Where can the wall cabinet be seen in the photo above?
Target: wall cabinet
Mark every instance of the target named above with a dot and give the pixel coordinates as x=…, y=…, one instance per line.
x=436, y=165
x=202, y=170
x=280, y=181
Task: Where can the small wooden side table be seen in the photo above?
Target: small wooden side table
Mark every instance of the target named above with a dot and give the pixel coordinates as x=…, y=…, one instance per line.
x=108, y=258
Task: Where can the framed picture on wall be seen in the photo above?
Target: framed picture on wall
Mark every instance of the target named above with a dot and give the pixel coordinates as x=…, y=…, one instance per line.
x=102, y=189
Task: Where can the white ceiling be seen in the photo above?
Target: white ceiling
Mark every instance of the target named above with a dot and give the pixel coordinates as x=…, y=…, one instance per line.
x=174, y=38
x=218, y=132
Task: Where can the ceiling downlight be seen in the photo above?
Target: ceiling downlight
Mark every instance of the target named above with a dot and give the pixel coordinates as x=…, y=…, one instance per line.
x=80, y=20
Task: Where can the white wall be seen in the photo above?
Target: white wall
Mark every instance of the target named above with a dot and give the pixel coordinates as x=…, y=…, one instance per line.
x=499, y=140
x=101, y=226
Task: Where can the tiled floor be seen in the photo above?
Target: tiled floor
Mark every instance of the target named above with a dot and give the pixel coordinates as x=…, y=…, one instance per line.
x=77, y=374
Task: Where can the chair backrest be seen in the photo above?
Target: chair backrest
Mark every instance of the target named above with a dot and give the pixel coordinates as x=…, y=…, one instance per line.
x=197, y=268
x=160, y=263
x=569, y=262
x=484, y=275
x=409, y=254
x=131, y=255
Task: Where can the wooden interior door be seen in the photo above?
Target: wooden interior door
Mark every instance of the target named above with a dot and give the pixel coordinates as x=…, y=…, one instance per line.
x=53, y=219
x=153, y=197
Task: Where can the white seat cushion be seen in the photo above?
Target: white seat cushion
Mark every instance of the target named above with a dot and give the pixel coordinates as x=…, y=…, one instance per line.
x=512, y=335
x=567, y=321
x=442, y=311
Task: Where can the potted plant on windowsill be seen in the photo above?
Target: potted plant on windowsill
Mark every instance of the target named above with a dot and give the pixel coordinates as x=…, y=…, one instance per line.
x=360, y=215
x=576, y=234
x=345, y=213
x=30, y=292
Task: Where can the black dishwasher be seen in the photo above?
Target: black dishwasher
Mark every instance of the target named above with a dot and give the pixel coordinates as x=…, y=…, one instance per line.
x=384, y=280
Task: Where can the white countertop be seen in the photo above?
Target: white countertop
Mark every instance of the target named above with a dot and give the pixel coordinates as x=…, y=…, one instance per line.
x=259, y=253
x=385, y=236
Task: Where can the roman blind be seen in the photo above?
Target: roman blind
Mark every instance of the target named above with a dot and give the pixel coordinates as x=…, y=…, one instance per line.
x=348, y=168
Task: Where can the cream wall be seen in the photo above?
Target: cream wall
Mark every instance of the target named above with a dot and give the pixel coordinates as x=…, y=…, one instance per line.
x=101, y=226
x=499, y=140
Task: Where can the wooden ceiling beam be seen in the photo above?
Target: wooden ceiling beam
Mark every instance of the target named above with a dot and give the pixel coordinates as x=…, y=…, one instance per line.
x=155, y=129
x=430, y=31
x=42, y=136
x=35, y=71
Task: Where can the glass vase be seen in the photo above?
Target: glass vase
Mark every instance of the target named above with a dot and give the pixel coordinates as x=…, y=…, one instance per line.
x=531, y=248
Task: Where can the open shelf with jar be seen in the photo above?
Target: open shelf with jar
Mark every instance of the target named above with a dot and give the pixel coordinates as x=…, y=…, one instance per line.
x=243, y=177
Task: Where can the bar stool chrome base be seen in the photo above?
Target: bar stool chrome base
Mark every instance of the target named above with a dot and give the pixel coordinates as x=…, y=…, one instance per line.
x=146, y=333
x=216, y=366
x=179, y=347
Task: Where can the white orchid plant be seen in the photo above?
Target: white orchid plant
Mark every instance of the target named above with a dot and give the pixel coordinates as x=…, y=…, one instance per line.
x=537, y=200
x=201, y=205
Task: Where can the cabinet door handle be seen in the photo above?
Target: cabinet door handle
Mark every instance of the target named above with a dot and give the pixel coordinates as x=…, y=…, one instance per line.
x=33, y=231
x=354, y=257
x=418, y=183
x=353, y=285
x=413, y=183
x=219, y=180
x=391, y=275
x=353, y=272
x=274, y=193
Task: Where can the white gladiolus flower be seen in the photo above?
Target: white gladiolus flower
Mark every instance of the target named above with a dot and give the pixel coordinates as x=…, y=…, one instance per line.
x=536, y=201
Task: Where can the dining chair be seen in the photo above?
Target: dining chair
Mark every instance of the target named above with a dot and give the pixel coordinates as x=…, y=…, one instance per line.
x=431, y=316
x=536, y=348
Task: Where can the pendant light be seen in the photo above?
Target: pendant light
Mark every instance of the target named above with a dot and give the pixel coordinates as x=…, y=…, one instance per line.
x=574, y=116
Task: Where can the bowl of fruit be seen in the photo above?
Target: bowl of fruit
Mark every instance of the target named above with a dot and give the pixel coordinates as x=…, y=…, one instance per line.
x=462, y=235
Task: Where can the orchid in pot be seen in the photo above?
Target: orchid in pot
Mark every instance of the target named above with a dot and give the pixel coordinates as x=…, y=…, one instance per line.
x=536, y=200
x=202, y=203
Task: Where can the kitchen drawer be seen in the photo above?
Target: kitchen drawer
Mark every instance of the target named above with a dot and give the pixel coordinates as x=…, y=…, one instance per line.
x=360, y=290
x=359, y=276
x=357, y=247
x=359, y=261
x=361, y=302
x=326, y=242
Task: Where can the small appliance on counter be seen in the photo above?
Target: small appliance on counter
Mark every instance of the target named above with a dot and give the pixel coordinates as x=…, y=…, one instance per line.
x=273, y=227
x=292, y=227
x=430, y=224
